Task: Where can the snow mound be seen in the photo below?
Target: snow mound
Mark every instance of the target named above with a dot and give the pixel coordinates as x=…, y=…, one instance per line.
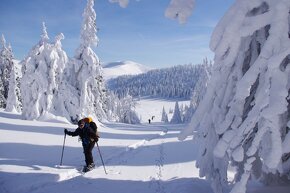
x=115, y=69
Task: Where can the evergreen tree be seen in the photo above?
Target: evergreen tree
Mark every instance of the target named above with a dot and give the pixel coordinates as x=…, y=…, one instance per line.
x=164, y=117
x=189, y=113
x=199, y=90
x=112, y=106
x=176, y=118
x=6, y=63
x=42, y=69
x=85, y=73
x=14, y=96
x=59, y=61
x=2, y=98
x=244, y=117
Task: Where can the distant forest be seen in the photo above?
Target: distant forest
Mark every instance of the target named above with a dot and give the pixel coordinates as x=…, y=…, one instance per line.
x=175, y=82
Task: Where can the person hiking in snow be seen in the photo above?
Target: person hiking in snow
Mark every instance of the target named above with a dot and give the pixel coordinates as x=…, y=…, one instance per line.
x=88, y=138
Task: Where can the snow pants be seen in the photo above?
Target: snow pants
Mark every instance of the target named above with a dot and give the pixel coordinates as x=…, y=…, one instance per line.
x=88, y=153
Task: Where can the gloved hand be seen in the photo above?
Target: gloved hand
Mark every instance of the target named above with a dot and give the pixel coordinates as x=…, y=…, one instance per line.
x=65, y=131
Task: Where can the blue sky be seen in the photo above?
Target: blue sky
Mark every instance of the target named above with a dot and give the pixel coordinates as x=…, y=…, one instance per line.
x=140, y=32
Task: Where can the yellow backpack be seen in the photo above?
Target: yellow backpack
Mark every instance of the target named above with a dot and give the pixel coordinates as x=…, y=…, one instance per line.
x=92, y=124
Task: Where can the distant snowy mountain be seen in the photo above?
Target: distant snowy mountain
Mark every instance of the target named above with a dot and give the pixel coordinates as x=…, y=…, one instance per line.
x=115, y=69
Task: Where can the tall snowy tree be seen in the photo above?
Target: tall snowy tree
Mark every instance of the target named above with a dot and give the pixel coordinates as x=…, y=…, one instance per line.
x=202, y=82
x=59, y=61
x=126, y=110
x=189, y=113
x=6, y=63
x=2, y=98
x=42, y=73
x=14, y=96
x=164, y=116
x=199, y=90
x=112, y=106
x=243, y=117
x=176, y=118
x=85, y=73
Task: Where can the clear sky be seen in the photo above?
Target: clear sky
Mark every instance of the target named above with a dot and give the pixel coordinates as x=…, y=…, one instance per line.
x=140, y=32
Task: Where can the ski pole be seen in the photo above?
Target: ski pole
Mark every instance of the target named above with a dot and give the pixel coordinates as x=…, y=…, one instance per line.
x=101, y=158
x=62, y=149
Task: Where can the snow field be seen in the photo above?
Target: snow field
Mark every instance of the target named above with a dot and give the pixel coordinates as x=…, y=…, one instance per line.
x=148, y=107
x=146, y=158
x=138, y=158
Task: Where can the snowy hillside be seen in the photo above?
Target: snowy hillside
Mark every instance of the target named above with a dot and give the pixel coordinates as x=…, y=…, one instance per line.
x=115, y=69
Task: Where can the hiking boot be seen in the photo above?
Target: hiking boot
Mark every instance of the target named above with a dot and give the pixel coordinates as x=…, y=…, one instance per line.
x=91, y=166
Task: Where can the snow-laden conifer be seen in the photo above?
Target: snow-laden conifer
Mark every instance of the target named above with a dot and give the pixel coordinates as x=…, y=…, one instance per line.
x=243, y=117
x=189, y=111
x=84, y=75
x=126, y=110
x=122, y=109
x=164, y=116
x=176, y=118
x=6, y=63
x=199, y=89
x=42, y=73
x=14, y=96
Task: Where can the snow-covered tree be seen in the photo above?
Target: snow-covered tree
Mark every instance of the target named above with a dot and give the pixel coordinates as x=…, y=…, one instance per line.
x=188, y=113
x=14, y=96
x=164, y=116
x=112, y=106
x=6, y=63
x=243, y=117
x=122, y=109
x=126, y=111
x=42, y=73
x=199, y=90
x=59, y=61
x=202, y=82
x=84, y=74
x=176, y=118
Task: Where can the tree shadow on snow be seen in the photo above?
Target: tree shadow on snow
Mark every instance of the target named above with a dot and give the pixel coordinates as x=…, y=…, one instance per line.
x=36, y=157
x=168, y=153
x=28, y=154
x=39, y=182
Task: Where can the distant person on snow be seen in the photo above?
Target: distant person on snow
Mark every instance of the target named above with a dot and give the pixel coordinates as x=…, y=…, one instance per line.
x=149, y=120
x=88, y=137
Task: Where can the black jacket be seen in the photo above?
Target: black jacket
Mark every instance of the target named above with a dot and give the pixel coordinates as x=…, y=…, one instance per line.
x=86, y=134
